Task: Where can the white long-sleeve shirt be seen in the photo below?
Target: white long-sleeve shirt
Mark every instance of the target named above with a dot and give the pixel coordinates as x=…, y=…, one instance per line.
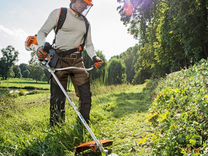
x=70, y=35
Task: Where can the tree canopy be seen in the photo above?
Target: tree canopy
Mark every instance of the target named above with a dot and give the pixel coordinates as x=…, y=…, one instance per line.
x=171, y=34
x=9, y=57
x=115, y=72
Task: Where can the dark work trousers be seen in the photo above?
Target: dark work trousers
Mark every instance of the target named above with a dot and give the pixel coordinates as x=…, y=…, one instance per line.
x=80, y=80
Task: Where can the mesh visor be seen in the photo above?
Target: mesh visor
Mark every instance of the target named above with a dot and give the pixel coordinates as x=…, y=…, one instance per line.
x=85, y=12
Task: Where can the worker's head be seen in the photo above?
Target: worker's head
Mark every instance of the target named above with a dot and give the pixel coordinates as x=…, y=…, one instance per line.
x=81, y=5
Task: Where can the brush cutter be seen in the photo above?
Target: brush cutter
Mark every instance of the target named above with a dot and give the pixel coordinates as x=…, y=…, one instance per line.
x=95, y=145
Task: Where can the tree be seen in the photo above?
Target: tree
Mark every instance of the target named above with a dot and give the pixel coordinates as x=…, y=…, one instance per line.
x=26, y=74
x=9, y=57
x=36, y=72
x=11, y=73
x=17, y=71
x=24, y=70
x=115, y=72
x=129, y=58
x=2, y=67
x=172, y=34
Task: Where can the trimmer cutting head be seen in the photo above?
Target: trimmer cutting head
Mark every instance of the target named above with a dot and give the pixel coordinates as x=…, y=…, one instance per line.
x=92, y=147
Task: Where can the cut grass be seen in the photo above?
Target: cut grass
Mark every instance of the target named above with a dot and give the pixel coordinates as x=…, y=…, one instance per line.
x=23, y=84
x=118, y=113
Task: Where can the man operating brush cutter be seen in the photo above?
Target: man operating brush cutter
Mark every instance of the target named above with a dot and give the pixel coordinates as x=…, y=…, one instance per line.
x=63, y=59
x=72, y=35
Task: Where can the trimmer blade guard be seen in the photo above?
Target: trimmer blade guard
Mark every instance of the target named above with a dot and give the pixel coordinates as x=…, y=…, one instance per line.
x=92, y=145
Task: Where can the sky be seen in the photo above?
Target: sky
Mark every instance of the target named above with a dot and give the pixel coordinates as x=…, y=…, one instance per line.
x=19, y=19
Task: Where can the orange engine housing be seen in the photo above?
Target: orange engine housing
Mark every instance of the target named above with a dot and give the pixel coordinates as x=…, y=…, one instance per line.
x=31, y=40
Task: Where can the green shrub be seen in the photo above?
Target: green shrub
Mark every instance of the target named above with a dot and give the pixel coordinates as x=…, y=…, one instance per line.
x=179, y=112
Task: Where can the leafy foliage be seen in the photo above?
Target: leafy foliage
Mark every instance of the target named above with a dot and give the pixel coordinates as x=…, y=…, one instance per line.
x=180, y=114
x=129, y=58
x=8, y=59
x=24, y=70
x=17, y=71
x=171, y=34
x=115, y=72
x=37, y=72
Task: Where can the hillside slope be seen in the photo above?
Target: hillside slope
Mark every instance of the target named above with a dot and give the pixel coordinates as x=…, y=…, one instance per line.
x=179, y=113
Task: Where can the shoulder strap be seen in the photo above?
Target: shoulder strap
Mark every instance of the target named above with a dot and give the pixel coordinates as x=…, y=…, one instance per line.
x=61, y=20
x=87, y=28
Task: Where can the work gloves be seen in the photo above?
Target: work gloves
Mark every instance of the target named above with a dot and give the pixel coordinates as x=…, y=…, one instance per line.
x=98, y=62
x=42, y=54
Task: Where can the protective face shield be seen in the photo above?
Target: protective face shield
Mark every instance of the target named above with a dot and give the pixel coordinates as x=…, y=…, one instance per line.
x=89, y=2
x=81, y=6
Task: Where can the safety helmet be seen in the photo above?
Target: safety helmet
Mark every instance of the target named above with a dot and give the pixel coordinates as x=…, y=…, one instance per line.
x=89, y=2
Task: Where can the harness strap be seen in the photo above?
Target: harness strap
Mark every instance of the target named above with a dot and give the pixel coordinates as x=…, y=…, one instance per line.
x=85, y=35
x=61, y=20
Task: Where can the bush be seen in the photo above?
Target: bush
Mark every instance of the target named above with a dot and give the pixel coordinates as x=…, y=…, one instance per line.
x=115, y=72
x=179, y=113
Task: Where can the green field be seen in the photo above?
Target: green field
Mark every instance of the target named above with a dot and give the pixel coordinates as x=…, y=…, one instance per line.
x=118, y=113
x=23, y=84
x=160, y=117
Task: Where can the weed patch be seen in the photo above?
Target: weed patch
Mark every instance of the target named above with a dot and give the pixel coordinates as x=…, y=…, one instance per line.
x=179, y=113
x=117, y=114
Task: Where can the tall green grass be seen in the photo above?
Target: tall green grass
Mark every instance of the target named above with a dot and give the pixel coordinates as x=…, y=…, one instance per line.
x=118, y=113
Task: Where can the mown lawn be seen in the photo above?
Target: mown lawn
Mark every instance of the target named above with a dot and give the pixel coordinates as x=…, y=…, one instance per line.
x=119, y=113
x=24, y=84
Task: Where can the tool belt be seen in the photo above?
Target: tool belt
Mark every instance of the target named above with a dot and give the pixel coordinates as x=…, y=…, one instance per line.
x=72, y=53
x=60, y=54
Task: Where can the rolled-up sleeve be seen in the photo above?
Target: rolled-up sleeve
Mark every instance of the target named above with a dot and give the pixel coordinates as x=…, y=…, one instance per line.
x=49, y=24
